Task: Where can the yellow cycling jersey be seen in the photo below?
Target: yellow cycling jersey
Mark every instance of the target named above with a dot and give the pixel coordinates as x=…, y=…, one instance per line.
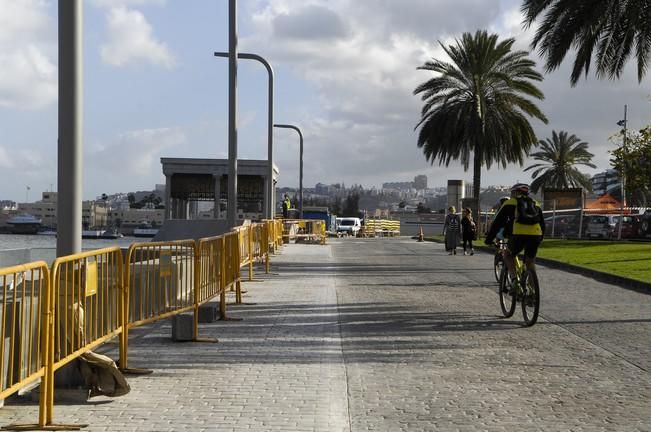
x=522, y=229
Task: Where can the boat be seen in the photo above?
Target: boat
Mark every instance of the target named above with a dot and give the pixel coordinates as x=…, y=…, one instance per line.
x=145, y=229
x=91, y=234
x=24, y=224
x=111, y=233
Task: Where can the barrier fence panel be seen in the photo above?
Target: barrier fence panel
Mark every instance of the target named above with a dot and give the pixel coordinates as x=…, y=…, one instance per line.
x=245, y=248
x=87, y=295
x=24, y=327
x=306, y=230
x=231, y=264
x=160, y=282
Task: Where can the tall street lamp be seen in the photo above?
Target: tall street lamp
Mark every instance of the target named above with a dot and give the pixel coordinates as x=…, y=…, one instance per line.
x=269, y=211
x=231, y=214
x=69, y=145
x=300, y=176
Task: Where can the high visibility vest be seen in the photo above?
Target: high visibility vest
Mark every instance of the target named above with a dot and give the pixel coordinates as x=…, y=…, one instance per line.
x=522, y=229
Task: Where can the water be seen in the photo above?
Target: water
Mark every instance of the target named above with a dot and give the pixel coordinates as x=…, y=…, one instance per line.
x=24, y=241
x=42, y=247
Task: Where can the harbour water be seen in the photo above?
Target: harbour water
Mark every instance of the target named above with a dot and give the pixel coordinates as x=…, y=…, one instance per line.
x=22, y=248
x=23, y=241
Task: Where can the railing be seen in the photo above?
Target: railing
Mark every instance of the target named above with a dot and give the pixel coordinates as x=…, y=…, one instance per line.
x=26, y=328
x=86, y=302
x=381, y=228
x=304, y=230
x=51, y=317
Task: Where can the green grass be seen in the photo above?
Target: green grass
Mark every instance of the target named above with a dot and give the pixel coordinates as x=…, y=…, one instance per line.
x=627, y=259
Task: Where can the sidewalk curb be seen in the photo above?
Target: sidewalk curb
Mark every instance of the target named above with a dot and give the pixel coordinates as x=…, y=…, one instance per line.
x=631, y=284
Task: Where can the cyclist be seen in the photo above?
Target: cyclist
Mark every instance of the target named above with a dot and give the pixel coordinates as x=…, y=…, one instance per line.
x=523, y=218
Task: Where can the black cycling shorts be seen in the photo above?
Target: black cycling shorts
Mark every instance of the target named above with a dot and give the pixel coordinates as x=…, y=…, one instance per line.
x=527, y=243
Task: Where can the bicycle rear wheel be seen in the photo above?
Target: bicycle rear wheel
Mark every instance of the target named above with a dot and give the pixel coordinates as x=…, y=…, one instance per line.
x=498, y=264
x=530, y=298
x=507, y=296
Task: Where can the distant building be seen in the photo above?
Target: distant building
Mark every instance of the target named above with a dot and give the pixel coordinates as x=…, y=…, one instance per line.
x=420, y=182
x=606, y=182
x=398, y=185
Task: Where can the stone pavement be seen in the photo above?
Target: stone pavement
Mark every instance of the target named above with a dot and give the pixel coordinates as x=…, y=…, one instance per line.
x=389, y=335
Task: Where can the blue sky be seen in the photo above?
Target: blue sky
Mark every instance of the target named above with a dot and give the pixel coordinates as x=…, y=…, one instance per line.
x=345, y=71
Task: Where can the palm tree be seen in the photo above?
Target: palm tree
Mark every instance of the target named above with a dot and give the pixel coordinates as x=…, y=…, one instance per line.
x=612, y=28
x=559, y=156
x=478, y=105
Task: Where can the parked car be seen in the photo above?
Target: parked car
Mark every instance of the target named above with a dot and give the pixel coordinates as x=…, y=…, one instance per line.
x=631, y=228
x=600, y=226
x=645, y=224
x=564, y=225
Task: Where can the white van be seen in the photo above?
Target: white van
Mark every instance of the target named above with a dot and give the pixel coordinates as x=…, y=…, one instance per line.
x=349, y=226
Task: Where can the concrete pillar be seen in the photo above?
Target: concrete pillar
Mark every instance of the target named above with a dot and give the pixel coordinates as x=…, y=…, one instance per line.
x=168, y=197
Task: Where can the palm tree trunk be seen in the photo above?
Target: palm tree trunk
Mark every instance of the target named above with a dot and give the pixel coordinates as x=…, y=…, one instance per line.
x=476, y=184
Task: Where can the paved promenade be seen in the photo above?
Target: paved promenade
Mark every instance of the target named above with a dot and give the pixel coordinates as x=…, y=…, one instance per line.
x=390, y=335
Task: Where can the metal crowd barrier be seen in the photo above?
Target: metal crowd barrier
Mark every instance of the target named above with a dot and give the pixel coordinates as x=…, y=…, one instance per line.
x=381, y=228
x=48, y=318
x=304, y=230
x=159, y=283
x=86, y=304
x=26, y=320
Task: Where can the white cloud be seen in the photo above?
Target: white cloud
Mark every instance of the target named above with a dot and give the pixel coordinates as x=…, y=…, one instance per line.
x=27, y=51
x=365, y=82
x=136, y=152
x=131, y=40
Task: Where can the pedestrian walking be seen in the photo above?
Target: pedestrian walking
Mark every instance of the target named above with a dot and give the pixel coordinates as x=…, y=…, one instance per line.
x=451, y=230
x=468, y=231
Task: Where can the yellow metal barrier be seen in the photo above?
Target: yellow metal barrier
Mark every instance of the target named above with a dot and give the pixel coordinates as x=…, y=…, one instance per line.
x=308, y=230
x=25, y=328
x=231, y=278
x=160, y=283
x=86, y=297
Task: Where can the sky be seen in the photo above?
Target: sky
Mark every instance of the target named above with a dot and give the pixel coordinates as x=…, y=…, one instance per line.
x=345, y=71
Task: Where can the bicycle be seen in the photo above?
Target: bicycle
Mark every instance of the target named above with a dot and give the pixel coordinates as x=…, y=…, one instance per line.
x=498, y=260
x=525, y=289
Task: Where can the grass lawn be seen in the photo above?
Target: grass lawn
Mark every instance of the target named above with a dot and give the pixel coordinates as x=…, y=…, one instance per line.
x=627, y=259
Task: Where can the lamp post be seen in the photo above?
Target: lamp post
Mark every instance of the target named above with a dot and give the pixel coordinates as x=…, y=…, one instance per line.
x=232, y=114
x=269, y=211
x=69, y=145
x=300, y=175
x=622, y=181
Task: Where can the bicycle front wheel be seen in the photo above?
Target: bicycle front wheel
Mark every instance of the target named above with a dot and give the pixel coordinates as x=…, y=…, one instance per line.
x=530, y=298
x=498, y=264
x=507, y=296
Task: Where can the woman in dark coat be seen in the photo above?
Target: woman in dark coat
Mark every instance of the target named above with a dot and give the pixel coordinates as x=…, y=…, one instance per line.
x=468, y=231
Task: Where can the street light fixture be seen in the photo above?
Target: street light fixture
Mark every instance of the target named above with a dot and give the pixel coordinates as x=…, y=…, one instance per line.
x=269, y=211
x=300, y=175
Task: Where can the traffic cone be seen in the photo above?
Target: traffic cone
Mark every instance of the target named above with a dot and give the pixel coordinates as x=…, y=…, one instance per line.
x=420, y=234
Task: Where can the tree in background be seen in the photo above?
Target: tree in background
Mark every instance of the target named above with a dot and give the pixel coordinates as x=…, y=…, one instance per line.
x=559, y=157
x=614, y=29
x=351, y=206
x=478, y=106
x=634, y=161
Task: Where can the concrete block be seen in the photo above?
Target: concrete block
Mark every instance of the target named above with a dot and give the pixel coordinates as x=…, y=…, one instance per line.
x=209, y=312
x=182, y=327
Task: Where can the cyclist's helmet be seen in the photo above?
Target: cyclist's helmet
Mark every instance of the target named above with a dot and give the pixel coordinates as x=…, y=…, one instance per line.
x=522, y=188
x=502, y=201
